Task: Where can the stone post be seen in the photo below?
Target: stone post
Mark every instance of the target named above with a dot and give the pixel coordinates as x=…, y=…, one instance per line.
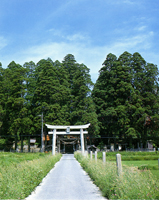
x=91, y=155
x=104, y=157
x=118, y=163
x=95, y=155
x=86, y=154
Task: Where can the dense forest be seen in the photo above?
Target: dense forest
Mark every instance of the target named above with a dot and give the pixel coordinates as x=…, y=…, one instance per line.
x=121, y=106
x=127, y=100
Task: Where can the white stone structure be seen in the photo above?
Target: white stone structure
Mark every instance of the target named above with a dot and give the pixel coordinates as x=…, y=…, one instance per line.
x=67, y=132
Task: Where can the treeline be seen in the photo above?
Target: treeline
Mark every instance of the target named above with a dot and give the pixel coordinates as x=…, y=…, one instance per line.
x=126, y=96
x=123, y=104
x=61, y=90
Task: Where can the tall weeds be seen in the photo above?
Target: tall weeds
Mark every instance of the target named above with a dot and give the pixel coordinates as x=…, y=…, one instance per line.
x=132, y=184
x=18, y=180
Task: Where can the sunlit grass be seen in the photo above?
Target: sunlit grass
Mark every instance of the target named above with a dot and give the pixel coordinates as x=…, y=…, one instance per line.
x=132, y=184
x=21, y=173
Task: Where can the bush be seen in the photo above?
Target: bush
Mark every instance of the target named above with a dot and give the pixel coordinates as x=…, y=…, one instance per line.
x=132, y=184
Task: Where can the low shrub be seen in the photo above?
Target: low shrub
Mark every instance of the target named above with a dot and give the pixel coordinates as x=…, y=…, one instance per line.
x=19, y=179
x=132, y=184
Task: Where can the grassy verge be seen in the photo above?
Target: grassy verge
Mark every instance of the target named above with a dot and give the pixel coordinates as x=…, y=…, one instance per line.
x=132, y=184
x=21, y=173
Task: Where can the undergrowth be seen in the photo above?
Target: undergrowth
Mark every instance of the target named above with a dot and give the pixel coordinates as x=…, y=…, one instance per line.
x=18, y=179
x=132, y=184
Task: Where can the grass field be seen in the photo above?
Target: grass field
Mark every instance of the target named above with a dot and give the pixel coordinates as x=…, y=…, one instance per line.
x=150, y=164
x=141, y=160
x=15, y=158
x=128, y=156
x=131, y=184
x=20, y=173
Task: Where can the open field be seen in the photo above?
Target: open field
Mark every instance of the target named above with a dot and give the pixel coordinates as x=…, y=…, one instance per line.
x=128, y=156
x=152, y=165
x=132, y=184
x=141, y=160
x=20, y=173
x=15, y=158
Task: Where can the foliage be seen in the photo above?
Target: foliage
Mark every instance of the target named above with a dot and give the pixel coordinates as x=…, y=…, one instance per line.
x=132, y=184
x=126, y=98
x=61, y=90
x=21, y=173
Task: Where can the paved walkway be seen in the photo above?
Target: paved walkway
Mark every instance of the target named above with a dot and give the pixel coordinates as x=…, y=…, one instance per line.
x=67, y=180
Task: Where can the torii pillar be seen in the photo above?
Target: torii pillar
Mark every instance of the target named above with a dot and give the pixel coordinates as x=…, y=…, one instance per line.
x=67, y=132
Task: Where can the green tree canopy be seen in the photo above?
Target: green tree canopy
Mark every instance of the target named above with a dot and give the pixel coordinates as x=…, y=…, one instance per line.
x=126, y=97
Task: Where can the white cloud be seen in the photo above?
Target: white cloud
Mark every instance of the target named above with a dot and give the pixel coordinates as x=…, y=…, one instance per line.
x=77, y=37
x=3, y=42
x=141, y=28
x=92, y=56
x=128, y=2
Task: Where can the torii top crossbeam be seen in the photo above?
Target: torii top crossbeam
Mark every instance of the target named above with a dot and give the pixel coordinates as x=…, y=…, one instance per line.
x=65, y=127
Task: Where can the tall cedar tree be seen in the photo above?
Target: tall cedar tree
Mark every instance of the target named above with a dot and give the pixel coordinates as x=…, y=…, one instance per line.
x=51, y=94
x=126, y=97
x=15, y=117
x=82, y=108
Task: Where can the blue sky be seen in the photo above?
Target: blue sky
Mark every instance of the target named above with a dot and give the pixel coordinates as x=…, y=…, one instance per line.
x=31, y=30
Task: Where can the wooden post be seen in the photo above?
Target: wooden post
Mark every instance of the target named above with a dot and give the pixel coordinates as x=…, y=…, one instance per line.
x=53, y=142
x=91, y=155
x=118, y=163
x=104, y=157
x=95, y=155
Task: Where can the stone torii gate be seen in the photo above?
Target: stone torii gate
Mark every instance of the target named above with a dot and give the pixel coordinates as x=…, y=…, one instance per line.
x=67, y=132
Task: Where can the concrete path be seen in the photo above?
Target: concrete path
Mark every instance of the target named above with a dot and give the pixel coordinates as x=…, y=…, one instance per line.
x=67, y=180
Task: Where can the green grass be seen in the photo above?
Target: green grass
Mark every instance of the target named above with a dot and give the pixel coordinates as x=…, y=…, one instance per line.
x=11, y=158
x=151, y=165
x=21, y=173
x=132, y=184
x=127, y=156
x=145, y=165
x=141, y=160
x=155, y=174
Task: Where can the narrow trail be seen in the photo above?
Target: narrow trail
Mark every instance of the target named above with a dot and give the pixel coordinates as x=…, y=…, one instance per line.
x=67, y=180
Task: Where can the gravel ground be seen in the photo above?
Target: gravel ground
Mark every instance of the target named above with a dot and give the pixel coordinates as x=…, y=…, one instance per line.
x=67, y=180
